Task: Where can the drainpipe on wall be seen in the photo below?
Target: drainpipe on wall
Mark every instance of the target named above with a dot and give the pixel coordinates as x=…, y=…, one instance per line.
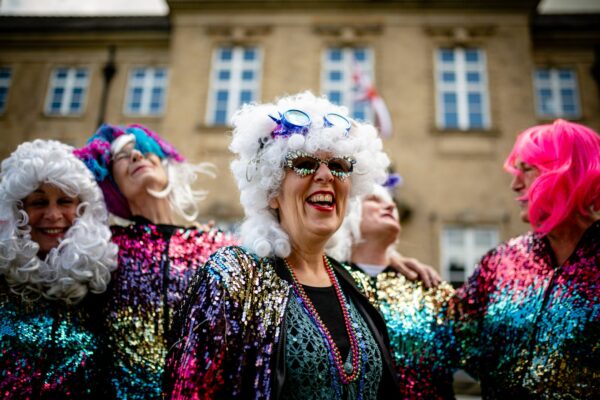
x=108, y=72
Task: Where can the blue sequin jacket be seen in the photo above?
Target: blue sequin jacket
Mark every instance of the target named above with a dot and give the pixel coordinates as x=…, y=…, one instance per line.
x=529, y=328
x=231, y=330
x=48, y=349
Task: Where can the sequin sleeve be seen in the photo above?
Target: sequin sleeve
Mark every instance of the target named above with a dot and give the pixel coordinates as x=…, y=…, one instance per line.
x=226, y=329
x=420, y=331
x=528, y=327
x=467, y=310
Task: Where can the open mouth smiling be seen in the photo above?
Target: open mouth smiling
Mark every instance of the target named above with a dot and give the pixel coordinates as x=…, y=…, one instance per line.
x=322, y=200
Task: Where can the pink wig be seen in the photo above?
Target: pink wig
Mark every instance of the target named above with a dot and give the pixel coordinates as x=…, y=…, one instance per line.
x=567, y=156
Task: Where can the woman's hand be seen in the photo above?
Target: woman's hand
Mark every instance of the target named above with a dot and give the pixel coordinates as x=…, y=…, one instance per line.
x=412, y=269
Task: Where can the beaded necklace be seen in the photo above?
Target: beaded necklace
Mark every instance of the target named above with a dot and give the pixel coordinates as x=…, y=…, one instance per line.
x=348, y=372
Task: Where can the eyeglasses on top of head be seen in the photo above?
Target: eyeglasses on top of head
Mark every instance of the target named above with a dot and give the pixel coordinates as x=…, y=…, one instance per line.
x=297, y=121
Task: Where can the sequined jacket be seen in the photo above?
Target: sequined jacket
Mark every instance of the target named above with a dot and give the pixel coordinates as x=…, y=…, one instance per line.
x=155, y=264
x=232, y=330
x=420, y=332
x=530, y=328
x=48, y=349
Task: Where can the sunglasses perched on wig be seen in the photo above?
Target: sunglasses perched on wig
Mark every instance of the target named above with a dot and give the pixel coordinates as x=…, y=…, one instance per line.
x=304, y=164
x=296, y=121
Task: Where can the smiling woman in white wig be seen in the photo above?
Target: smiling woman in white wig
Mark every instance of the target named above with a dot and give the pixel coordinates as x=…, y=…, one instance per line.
x=277, y=318
x=55, y=253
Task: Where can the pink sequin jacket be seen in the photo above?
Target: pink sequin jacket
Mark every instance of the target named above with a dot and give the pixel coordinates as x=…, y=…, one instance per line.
x=156, y=263
x=529, y=328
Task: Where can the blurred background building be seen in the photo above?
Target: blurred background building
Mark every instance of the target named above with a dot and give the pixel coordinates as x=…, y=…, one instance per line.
x=460, y=79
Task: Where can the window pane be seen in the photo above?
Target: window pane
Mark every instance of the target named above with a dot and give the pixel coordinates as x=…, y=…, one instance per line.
x=447, y=55
x=543, y=74
x=473, y=77
x=360, y=54
x=335, y=76
x=61, y=73
x=335, y=97
x=450, y=120
x=335, y=54
x=249, y=54
x=224, y=75
x=475, y=120
x=247, y=75
x=474, y=98
x=449, y=99
x=565, y=75
x=221, y=117
x=471, y=56
x=222, y=95
x=226, y=54
x=448, y=77
x=245, y=96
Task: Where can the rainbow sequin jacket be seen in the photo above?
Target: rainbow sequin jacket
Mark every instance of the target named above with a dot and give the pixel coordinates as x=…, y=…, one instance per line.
x=529, y=328
x=420, y=332
x=48, y=349
x=155, y=265
x=231, y=330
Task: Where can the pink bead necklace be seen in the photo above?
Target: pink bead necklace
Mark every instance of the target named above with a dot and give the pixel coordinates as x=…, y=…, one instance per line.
x=348, y=372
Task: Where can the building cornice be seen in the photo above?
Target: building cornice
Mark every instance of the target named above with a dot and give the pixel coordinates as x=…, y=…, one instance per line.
x=29, y=24
x=528, y=6
x=28, y=32
x=566, y=30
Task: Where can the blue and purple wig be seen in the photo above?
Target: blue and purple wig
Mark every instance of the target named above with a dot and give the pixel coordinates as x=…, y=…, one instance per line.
x=96, y=155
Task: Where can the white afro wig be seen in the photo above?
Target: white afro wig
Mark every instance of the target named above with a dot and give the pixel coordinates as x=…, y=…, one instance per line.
x=259, y=166
x=84, y=258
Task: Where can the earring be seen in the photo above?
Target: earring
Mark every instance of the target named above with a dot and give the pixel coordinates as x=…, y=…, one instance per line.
x=161, y=194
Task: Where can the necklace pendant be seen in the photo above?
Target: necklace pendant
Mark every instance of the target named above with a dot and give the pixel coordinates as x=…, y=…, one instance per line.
x=348, y=367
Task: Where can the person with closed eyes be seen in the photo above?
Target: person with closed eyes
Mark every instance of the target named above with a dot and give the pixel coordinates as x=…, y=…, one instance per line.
x=56, y=258
x=148, y=185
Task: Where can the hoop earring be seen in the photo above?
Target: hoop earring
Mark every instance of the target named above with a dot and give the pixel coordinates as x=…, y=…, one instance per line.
x=161, y=194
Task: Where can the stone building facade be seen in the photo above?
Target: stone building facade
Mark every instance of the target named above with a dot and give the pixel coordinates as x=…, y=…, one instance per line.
x=460, y=79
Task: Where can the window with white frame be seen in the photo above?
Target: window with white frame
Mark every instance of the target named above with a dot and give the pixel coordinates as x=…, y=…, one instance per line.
x=346, y=75
x=556, y=93
x=146, y=90
x=462, y=248
x=235, y=80
x=5, y=78
x=462, y=89
x=67, y=91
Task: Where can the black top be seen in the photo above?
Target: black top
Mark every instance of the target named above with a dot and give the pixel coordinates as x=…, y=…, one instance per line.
x=328, y=307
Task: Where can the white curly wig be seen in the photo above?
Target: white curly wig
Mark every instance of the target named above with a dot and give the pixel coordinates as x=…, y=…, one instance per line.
x=259, y=166
x=340, y=244
x=84, y=258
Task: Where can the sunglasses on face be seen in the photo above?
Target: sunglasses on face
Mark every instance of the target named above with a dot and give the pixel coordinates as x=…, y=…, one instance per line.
x=304, y=164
